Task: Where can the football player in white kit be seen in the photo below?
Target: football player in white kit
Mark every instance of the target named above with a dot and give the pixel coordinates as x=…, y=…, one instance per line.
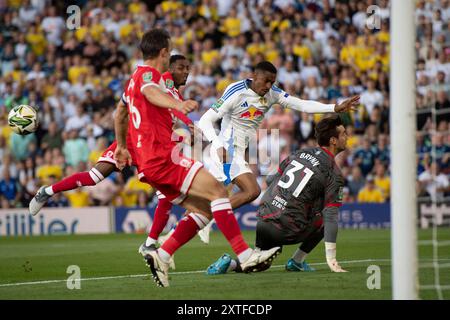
x=242, y=108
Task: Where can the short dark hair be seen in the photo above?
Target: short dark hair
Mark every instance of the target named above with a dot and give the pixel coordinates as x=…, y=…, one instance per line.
x=174, y=58
x=153, y=42
x=326, y=129
x=266, y=66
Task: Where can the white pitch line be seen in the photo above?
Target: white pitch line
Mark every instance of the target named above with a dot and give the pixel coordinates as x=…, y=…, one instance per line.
x=171, y=273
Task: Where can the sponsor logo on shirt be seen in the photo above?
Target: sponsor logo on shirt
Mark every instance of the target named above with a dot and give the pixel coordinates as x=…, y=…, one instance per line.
x=147, y=77
x=169, y=83
x=252, y=113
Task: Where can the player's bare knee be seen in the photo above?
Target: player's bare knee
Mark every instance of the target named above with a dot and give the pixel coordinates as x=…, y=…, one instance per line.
x=217, y=191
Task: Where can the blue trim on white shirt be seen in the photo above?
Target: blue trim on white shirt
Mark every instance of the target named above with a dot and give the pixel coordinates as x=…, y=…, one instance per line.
x=233, y=89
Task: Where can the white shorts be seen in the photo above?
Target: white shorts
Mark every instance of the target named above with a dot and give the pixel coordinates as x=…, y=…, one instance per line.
x=238, y=166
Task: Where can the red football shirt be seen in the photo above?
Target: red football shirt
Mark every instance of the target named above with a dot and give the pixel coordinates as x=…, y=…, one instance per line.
x=170, y=86
x=151, y=126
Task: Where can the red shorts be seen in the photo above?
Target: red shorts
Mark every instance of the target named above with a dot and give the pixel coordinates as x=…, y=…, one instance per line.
x=108, y=155
x=172, y=178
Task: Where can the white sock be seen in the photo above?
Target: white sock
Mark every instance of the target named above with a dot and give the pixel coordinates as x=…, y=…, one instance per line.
x=149, y=241
x=330, y=251
x=164, y=255
x=199, y=219
x=49, y=191
x=299, y=256
x=232, y=266
x=243, y=256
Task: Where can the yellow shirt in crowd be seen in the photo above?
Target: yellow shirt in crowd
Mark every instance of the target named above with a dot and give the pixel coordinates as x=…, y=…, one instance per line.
x=81, y=33
x=352, y=141
x=374, y=195
x=170, y=5
x=254, y=48
x=134, y=186
x=96, y=31
x=222, y=85
x=302, y=51
x=37, y=42
x=75, y=71
x=135, y=8
x=208, y=12
x=127, y=29
x=280, y=25
x=46, y=171
x=232, y=27
x=14, y=3
x=383, y=36
x=94, y=155
x=384, y=184
x=209, y=56
x=78, y=198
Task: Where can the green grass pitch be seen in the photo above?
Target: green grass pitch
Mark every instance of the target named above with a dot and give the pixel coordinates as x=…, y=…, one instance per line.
x=111, y=268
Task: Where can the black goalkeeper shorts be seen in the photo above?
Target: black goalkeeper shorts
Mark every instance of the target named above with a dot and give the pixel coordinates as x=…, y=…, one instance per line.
x=269, y=236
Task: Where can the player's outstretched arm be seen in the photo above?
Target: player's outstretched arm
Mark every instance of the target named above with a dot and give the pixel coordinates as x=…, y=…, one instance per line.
x=161, y=99
x=310, y=106
x=121, y=155
x=347, y=105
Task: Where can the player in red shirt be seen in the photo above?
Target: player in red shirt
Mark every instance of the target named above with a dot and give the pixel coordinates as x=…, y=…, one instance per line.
x=175, y=77
x=182, y=180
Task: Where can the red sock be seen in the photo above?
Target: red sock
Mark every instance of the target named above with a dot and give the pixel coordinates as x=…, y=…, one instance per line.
x=160, y=218
x=77, y=180
x=226, y=221
x=186, y=229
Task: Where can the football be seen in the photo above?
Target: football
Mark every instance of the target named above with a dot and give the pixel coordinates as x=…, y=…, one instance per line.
x=23, y=119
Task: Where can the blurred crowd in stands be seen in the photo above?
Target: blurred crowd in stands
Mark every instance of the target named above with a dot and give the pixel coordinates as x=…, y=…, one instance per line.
x=325, y=50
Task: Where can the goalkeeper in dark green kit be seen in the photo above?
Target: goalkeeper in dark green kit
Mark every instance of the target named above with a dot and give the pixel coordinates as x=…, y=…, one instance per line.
x=301, y=203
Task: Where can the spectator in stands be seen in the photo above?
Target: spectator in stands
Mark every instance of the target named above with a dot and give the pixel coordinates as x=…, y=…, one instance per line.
x=382, y=180
x=9, y=189
x=75, y=149
x=130, y=194
x=103, y=193
x=371, y=97
x=20, y=145
x=433, y=183
x=381, y=149
x=355, y=181
x=323, y=50
x=58, y=200
x=370, y=193
x=48, y=169
x=347, y=198
x=52, y=139
x=304, y=128
x=364, y=157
